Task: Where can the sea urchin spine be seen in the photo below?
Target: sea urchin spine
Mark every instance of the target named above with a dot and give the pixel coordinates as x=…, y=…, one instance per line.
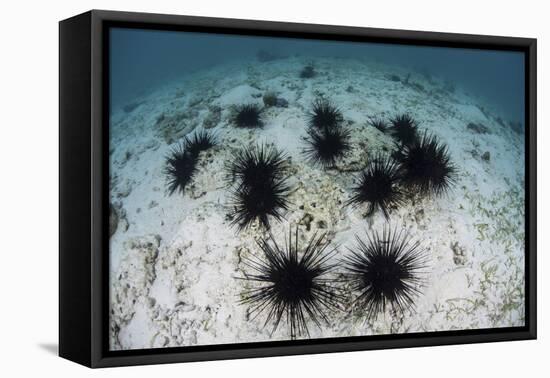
x=256, y=165
x=294, y=283
x=180, y=168
x=327, y=146
x=200, y=141
x=404, y=129
x=385, y=270
x=378, y=123
x=260, y=191
x=258, y=203
x=181, y=163
x=378, y=186
x=425, y=166
x=247, y=116
x=324, y=115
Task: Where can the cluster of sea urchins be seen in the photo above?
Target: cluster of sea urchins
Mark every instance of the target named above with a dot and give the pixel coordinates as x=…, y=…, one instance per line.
x=297, y=284
x=181, y=162
x=420, y=164
x=327, y=139
x=258, y=177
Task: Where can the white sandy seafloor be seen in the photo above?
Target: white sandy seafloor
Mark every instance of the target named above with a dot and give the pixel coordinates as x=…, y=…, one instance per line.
x=174, y=259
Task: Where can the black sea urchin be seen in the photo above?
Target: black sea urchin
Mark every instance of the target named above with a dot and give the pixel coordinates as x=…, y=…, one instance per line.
x=404, y=129
x=257, y=165
x=425, y=165
x=260, y=191
x=295, y=283
x=200, y=141
x=324, y=115
x=385, y=270
x=378, y=123
x=378, y=186
x=180, y=167
x=326, y=146
x=259, y=202
x=247, y=116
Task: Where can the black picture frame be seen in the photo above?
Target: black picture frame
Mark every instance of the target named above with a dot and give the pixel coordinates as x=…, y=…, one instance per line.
x=84, y=205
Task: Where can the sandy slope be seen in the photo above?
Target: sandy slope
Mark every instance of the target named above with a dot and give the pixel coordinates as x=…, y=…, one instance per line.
x=175, y=259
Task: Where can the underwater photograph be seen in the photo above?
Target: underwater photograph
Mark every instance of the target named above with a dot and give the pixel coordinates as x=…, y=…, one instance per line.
x=272, y=189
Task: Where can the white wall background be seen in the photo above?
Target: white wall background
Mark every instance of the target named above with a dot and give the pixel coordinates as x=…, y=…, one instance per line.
x=29, y=188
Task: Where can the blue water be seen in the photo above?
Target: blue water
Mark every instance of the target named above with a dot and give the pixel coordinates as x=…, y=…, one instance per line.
x=144, y=59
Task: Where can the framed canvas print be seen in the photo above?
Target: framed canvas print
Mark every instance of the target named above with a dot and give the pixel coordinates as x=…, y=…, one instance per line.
x=234, y=188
